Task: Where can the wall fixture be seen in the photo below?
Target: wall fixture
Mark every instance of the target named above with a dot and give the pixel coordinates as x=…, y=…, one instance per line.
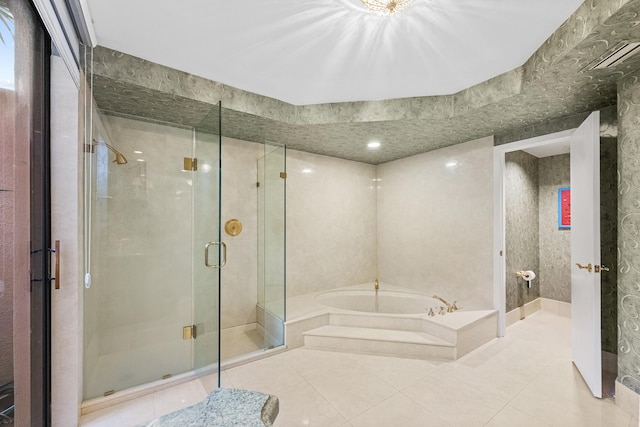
x=386, y=7
x=233, y=227
x=120, y=159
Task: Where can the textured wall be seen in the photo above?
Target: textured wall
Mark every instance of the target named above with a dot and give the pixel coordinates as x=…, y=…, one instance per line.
x=7, y=132
x=435, y=223
x=551, y=84
x=331, y=223
x=555, y=243
x=629, y=231
x=609, y=242
x=521, y=226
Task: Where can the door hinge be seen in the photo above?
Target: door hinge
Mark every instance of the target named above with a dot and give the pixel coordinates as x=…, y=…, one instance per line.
x=190, y=164
x=189, y=332
x=283, y=175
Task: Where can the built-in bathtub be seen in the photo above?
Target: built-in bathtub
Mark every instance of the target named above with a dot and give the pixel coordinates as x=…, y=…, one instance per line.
x=381, y=301
x=392, y=321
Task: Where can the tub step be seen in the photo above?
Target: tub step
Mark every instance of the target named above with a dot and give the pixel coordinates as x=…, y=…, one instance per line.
x=380, y=341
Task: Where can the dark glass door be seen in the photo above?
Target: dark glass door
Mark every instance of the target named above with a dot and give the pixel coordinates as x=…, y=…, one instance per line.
x=24, y=215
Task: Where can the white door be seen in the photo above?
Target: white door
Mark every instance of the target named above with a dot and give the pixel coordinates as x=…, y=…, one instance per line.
x=585, y=251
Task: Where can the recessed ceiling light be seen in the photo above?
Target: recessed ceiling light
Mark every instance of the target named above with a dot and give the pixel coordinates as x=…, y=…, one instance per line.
x=373, y=145
x=140, y=160
x=138, y=152
x=451, y=164
x=307, y=170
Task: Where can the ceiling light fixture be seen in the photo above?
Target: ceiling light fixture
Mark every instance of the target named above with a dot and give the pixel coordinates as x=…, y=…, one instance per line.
x=386, y=7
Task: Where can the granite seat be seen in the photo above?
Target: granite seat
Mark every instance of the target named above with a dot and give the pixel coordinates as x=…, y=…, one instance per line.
x=224, y=407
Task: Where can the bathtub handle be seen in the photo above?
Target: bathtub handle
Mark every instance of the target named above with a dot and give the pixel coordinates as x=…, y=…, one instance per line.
x=206, y=254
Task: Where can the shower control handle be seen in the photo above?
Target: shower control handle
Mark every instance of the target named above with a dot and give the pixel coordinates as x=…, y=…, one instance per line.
x=224, y=254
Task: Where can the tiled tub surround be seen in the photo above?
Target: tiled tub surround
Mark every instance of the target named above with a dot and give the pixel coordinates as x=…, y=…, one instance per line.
x=416, y=335
x=331, y=223
x=435, y=223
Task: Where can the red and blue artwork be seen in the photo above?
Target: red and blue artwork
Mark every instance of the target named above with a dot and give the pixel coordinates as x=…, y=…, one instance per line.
x=564, y=207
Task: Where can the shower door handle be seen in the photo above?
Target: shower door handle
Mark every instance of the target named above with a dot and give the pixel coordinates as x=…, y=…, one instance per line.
x=206, y=254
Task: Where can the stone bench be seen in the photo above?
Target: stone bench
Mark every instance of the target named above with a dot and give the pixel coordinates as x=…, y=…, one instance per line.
x=224, y=407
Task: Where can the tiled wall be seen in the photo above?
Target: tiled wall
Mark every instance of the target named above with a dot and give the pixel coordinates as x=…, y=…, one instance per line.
x=555, y=243
x=239, y=278
x=629, y=231
x=521, y=227
x=331, y=223
x=435, y=223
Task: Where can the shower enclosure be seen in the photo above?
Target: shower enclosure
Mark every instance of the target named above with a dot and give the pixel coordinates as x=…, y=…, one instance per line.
x=158, y=290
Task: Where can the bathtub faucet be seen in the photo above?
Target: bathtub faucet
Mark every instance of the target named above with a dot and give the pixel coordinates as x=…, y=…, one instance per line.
x=450, y=307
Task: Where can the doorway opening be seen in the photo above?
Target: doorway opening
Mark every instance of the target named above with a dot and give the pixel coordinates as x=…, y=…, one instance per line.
x=547, y=244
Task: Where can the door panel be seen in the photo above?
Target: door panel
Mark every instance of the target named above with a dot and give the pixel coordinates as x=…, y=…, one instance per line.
x=207, y=241
x=585, y=251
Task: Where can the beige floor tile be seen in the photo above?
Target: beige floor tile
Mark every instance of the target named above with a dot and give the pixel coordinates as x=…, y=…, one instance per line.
x=351, y=390
x=302, y=405
x=225, y=381
x=397, y=372
x=453, y=400
x=560, y=397
x=178, y=397
x=491, y=378
x=311, y=362
x=131, y=413
x=210, y=382
x=396, y=411
x=269, y=375
x=511, y=417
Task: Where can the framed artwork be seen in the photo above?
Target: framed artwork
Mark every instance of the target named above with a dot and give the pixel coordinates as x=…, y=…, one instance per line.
x=564, y=207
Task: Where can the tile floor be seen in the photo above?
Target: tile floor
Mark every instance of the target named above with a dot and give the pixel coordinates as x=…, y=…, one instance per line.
x=525, y=379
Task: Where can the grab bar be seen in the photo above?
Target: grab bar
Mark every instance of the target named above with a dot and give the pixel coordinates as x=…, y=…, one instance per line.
x=206, y=254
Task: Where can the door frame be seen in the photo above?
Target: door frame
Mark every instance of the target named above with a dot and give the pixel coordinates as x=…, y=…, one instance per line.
x=499, y=234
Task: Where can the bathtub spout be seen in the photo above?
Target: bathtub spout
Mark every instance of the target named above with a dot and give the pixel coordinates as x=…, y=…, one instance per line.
x=450, y=307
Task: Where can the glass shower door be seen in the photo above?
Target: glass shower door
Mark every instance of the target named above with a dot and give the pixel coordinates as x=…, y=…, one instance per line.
x=209, y=252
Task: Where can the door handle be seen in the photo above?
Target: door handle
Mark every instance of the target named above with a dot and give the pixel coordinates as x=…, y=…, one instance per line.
x=599, y=268
x=56, y=274
x=587, y=267
x=206, y=254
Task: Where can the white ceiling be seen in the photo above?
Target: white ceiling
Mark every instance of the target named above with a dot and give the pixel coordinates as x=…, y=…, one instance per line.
x=320, y=51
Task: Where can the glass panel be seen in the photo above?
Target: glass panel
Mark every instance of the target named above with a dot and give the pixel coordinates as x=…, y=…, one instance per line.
x=8, y=182
x=271, y=243
x=209, y=252
x=24, y=216
x=139, y=258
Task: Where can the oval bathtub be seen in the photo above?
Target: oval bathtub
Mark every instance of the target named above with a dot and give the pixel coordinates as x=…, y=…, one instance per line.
x=390, y=302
